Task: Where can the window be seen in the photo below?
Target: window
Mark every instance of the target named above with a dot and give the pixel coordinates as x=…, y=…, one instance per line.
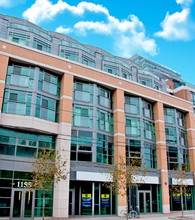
x=88, y=61
x=83, y=116
x=105, y=149
x=104, y=98
x=133, y=127
x=19, y=75
x=147, y=110
x=169, y=114
x=111, y=69
x=181, y=119
x=19, y=38
x=41, y=45
x=104, y=120
x=17, y=102
x=81, y=146
x=149, y=130
x=150, y=155
x=133, y=152
x=47, y=108
x=171, y=135
x=193, y=97
x=49, y=83
x=83, y=92
x=132, y=105
x=172, y=156
x=23, y=144
x=70, y=55
x=145, y=81
x=182, y=137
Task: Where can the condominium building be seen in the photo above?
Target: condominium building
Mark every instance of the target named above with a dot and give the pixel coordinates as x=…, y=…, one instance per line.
x=58, y=93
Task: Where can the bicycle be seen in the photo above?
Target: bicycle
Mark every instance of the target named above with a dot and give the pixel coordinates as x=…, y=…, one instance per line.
x=132, y=213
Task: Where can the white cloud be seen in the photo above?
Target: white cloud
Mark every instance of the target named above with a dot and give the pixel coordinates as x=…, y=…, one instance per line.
x=177, y=26
x=184, y=3
x=44, y=10
x=128, y=34
x=10, y=3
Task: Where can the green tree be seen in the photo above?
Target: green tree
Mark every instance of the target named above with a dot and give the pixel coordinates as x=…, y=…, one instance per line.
x=123, y=175
x=47, y=169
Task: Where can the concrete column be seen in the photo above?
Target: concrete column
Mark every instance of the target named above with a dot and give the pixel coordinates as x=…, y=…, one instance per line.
x=61, y=190
x=190, y=125
x=161, y=153
x=3, y=71
x=119, y=137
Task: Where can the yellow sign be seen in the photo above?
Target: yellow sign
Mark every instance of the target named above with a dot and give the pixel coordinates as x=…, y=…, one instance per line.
x=105, y=196
x=86, y=195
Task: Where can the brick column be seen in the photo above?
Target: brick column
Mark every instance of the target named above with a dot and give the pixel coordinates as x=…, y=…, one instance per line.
x=3, y=70
x=190, y=124
x=119, y=137
x=61, y=190
x=161, y=153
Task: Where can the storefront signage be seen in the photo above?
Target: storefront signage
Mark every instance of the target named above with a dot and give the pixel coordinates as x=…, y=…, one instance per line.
x=105, y=200
x=86, y=200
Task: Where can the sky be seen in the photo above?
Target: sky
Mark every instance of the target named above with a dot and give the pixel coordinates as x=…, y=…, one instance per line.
x=160, y=30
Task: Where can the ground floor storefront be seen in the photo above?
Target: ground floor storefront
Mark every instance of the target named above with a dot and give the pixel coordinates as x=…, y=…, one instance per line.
x=85, y=198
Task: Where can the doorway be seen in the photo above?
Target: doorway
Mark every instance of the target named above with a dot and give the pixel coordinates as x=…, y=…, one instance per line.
x=145, y=201
x=22, y=204
x=71, y=201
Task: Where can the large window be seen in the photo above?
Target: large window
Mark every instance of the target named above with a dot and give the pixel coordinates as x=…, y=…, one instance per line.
x=171, y=135
x=88, y=61
x=22, y=76
x=150, y=155
x=104, y=120
x=104, y=98
x=133, y=127
x=41, y=45
x=23, y=144
x=147, y=110
x=105, y=149
x=169, y=115
x=47, y=108
x=173, y=158
x=149, y=132
x=19, y=38
x=17, y=102
x=132, y=105
x=49, y=83
x=71, y=55
x=83, y=92
x=81, y=146
x=83, y=116
x=133, y=152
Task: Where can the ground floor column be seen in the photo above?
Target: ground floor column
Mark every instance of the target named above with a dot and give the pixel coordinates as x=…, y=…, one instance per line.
x=61, y=189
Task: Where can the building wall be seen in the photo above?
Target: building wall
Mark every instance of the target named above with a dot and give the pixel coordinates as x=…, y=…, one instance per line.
x=71, y=72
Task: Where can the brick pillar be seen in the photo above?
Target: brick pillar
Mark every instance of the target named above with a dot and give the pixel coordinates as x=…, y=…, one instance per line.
x=61, y=190
x=161, y=153
x=119, y=137
x=190, y=124
x=3, y=70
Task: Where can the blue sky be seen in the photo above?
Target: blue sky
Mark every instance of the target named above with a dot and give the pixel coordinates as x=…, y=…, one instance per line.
x=161, y=30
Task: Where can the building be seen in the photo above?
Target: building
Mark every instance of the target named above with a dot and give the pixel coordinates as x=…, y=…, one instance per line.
x=58, y=93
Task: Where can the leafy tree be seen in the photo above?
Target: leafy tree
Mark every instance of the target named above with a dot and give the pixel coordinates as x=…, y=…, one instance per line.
x=47, y=169
x=180, y=185
x=123, y=175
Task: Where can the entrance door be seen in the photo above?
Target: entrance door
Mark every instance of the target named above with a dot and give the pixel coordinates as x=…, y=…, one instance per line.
x=22, y=204
x=71, y=201
x=145, y=201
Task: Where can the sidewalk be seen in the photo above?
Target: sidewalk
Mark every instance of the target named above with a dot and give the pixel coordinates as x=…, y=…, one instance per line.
x=189, y=214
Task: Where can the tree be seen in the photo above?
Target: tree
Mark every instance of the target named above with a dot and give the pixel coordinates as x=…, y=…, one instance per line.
x=123, y=175
x=180, y=185
x=47, y=169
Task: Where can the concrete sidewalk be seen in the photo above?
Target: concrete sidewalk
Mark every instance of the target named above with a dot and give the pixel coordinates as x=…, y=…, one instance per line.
x=188, y=214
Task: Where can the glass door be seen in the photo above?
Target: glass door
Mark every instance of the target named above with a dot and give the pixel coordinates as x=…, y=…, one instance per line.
x=71, y=201
x=145, y=201
x=22, y=204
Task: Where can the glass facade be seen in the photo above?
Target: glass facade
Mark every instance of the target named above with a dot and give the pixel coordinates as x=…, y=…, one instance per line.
x=31, y=91
x=176, y=139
